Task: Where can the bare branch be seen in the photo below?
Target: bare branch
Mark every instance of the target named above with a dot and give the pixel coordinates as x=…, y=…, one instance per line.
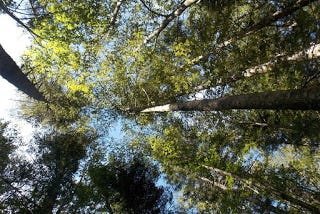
x=114, y=17
x=152, y=11
x=7, y=11
x=184, y=5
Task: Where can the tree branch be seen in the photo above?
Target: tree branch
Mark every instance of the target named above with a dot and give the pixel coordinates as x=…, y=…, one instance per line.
x=184, y=5
x=114, y=17
x=266, y=21
x=312, y=52
x=216, y=184
x=152, y=11
x=8, y=12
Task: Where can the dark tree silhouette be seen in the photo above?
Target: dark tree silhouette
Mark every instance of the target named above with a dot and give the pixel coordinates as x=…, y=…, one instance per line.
x=11, y=72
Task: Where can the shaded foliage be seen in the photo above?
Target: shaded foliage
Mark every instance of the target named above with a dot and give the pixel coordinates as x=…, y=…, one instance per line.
x=95, y=60
x=129, y=186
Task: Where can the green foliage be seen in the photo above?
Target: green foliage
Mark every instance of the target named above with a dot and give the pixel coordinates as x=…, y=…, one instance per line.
x=87, y=64
x=233, y=169
x=48, y=177
x=129, y=186
x=6, y=146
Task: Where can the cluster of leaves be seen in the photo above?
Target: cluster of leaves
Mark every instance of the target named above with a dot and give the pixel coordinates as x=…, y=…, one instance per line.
x=128, y=185
x=93, y=55
x=242, y=166
x=43, y=180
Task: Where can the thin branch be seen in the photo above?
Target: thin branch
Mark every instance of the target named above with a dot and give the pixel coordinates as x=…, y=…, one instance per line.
x=184, y=5
x=33, y=8
x=7, y=11
x=152, y=11
x=18, y=5
x=114, y=17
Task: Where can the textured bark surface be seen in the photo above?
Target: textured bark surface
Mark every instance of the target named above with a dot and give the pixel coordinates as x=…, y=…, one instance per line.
x=11, y=72
x=297, y=99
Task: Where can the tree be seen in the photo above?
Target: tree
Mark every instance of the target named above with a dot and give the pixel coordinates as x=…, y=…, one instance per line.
x=6, y=148
x=229, y=170
x=11, y=72
x=129, y=186
x=299, y=99
x=48, y=178
x=157, y=52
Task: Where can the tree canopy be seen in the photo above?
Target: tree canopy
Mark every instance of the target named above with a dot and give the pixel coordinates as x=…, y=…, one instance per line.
x=238, y=80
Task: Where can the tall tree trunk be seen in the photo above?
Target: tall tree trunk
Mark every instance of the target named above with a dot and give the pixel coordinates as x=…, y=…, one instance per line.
x=11, y=72
x=296, y=99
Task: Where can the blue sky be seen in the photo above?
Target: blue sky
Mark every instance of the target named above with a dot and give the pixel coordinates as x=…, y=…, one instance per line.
x=14, y=40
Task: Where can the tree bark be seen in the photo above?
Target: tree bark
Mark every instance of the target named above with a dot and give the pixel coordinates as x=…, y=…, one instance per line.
x=11, y=72
x=311, y=53
x=295, y=99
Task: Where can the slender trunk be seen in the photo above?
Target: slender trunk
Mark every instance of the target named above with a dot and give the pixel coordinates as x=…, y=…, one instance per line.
x=295, y=99
x=309, y=54
x=274, y=17
x=313, y=52
x=11, y=72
